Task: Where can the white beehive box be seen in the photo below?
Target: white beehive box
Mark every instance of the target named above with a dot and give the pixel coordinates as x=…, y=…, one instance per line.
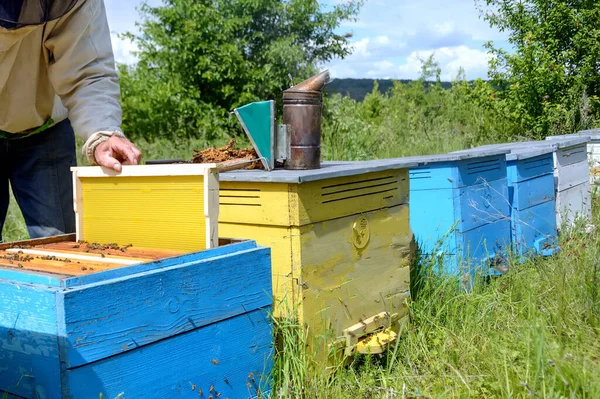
x=572, y=179
x=593, y=151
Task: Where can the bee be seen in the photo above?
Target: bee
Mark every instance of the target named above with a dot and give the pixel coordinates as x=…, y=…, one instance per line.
x=215, y=362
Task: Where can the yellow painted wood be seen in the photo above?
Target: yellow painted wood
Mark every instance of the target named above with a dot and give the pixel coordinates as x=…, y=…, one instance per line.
x=343, y=285
x=287, y=205
x=165, y=212
x=283, y=255
x=341, y=248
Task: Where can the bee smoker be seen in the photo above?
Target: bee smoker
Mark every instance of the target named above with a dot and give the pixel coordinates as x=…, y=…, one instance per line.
x=302, y=107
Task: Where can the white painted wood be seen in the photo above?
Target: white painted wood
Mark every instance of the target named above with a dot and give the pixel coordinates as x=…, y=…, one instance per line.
x=66, y=255
x=573, y=203
x=571, y=155
x=145, y=170
x=211, y=207
x=573, y=175
x=78, y=206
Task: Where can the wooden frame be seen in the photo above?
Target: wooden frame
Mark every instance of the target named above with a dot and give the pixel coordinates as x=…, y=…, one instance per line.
x=210, y=173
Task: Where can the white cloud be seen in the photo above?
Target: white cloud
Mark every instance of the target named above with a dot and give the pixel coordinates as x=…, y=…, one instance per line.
x=123, y=50
x=451, y=60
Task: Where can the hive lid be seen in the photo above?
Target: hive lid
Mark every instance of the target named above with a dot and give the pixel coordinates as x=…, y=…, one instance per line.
x=593, y=134
x=520, y=150
x=478, y=152
x=329, y=170
x=258, y=121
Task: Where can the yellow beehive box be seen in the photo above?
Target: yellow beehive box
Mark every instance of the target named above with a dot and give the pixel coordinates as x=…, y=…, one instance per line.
x=173, y=207
x=340, y=241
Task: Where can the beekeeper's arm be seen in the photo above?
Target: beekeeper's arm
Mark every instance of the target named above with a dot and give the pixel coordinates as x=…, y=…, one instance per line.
x=82, y=71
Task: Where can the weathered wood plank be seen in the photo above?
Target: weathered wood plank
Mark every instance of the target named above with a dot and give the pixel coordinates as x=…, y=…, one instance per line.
x=119, y=315
x=38, y=241
x=29, y=353
x=222, y=360
x=160, y=264
x=572, y=175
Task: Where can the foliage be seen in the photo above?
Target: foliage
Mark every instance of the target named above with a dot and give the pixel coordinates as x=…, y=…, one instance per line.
x=415, y=118
x=551, y=82
x=200, y=59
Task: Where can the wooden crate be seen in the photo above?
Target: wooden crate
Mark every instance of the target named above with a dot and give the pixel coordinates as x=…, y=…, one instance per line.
x=155, y=206
x=84, y=320
x=341, y=245
x=459, y=208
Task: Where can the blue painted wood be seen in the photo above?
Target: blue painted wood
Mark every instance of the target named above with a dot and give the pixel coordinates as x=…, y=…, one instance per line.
x=161, y=303
x=152, y=319
x=464, y=203
x=23, y=277
x=534, y=230
x=29, y=352
x=481, y=204
x=535, y=191
x=162, y=263
x=533, y=219
x=228, y=357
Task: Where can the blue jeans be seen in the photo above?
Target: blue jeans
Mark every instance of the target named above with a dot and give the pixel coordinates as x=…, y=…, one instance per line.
x=38, y=169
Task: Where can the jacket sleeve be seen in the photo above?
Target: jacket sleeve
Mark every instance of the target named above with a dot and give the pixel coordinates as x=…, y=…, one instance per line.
x=82, y=69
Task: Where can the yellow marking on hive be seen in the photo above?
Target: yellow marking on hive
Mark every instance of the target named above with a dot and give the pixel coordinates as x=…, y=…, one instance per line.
x=165, y=212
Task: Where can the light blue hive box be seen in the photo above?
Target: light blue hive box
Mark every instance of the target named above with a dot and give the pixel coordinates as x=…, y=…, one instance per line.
x=459, y=210
x=530, y=174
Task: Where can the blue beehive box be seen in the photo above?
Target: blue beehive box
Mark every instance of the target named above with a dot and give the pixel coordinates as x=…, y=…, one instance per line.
x=459, y=208
x=533, y=202
x=82, y=320
x=530, y=173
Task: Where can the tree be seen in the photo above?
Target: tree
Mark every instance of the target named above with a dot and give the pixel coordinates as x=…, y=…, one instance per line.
x=198, y=59
x=551, y=82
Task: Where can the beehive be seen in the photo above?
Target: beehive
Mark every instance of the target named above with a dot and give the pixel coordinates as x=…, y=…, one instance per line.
x=530, y=174
x=86, y=321
x=593, y=151
x=341, y=244
x=158, y=206
x=571, y=175
x=459, y=209
x=572, y=181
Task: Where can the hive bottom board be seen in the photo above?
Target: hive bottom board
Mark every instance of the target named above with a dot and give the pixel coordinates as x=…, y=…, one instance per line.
x=534, y=229
x=572, y=204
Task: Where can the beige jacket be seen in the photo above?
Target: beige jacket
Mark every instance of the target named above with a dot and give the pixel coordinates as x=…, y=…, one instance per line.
x=64, y=68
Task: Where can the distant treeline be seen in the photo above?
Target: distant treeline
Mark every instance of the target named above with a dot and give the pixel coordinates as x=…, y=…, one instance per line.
x=357, y=89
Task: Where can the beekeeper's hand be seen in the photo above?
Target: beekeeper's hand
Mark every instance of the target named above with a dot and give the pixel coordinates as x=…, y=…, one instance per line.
x=115, y=152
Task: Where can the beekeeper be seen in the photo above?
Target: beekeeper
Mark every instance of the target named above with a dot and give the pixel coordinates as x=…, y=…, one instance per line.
x=57, y=78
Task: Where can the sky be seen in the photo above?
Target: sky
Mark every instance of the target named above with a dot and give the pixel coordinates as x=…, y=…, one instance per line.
x=389, y=38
